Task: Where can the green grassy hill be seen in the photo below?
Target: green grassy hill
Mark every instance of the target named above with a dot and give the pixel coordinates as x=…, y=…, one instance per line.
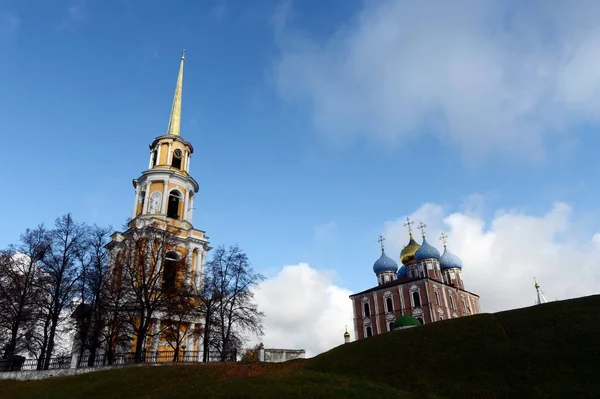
x=548, y=351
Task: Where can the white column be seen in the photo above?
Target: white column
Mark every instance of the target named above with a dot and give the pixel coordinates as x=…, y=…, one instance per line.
x=155, y=338
x=158, y=154
x=146, y=198
x=189, y=158
x=189, y=342
x=376, y=313
x=186, y=204
x=197, y=270
x=199, y=345
x=165, y=197
x=169, y=154
x=202, y=262
x=150, y=161
x=135, y=201
x=188, y=266
x=190, y=217
x=401, y=300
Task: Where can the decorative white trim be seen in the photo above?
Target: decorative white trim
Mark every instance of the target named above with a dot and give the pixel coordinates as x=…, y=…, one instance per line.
x=376, y=314
x=401, y=299
x=166, y=182
x=428, y=301
x=355, y=319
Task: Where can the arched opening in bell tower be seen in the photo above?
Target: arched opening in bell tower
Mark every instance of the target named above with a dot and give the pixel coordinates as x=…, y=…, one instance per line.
x=170, y=270
x=154, y=157
x=176, y=162
x=173, y=207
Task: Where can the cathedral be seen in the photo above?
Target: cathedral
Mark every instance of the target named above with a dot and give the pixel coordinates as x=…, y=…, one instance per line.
x=428, y=287
x=164, y=198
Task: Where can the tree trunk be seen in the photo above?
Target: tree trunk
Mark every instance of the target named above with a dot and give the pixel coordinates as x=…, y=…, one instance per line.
x=205, y=340
x=50, y=349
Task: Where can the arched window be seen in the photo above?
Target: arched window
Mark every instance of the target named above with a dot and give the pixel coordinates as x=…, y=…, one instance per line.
x=420, y=319
x=391, y=325
x=176, y=162
x=416, y=299
x=173, y=207
x=369, y=331
x=452, y=304
x=437, y=298
x=367, y=310
x=154, y=157
x=170, y=270
x=389, y=304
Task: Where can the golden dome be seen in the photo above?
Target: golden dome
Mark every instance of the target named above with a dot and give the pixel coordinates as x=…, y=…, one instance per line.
x=408, y=253
x=346, y=334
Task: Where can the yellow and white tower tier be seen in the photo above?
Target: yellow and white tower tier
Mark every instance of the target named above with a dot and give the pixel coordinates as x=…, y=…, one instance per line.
x=165, y=192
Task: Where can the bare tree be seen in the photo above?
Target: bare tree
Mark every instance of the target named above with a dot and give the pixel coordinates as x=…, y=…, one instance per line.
x=19, y=296
x=181, y=310
x=116, y=303
x=147, y=264
x=60, y=273
x=91, y=313
x=231, y=280
x=209, y=305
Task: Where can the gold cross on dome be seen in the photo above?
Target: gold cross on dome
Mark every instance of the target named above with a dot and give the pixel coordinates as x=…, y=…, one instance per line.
x=421, y=227
x=443, y=238
x=408, y=224
x=380, y=240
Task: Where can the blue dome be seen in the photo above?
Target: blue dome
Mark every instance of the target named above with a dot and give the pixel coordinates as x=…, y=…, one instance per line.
x=402, y=272
x=426, y=251
x=384, y=264
x=450, y=261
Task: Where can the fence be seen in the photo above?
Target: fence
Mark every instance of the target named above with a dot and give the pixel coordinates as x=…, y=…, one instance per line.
x=19, y=363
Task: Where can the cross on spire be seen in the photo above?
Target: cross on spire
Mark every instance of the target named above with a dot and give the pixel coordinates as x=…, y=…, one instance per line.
x=421, y=227
x=443, y=238
x=408, y=224
x=380, y=240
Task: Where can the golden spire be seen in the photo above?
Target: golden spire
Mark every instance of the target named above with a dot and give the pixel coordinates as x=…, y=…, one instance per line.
x=175, y=119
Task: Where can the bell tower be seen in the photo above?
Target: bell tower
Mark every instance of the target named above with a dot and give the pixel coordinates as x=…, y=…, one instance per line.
x=164, y=200
x=166, y=190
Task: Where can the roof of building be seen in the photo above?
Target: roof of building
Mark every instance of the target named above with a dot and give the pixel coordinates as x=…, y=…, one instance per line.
x=449, y=261
x=402, y=272
x=426, y=251
x=406, y=321
x=402, y=281
x=408, y=253
x=384, y=264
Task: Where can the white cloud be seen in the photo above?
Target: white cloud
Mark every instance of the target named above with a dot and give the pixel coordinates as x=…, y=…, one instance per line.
x=502, y=257
x=490, y=76
x=324, y=233
x=304, y=310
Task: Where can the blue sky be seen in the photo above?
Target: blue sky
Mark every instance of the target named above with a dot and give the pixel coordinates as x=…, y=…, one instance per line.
x=314, y=122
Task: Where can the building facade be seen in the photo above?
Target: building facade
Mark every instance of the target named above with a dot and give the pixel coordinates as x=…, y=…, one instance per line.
x=164, y=198
x=428, y=286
